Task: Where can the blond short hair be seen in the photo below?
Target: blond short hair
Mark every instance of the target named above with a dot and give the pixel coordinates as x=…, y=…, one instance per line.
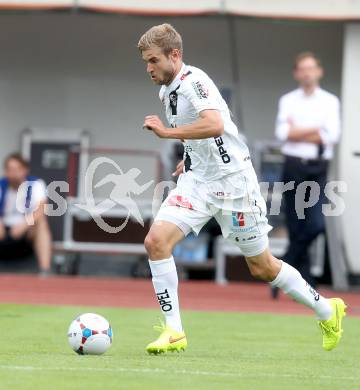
x=163, y=36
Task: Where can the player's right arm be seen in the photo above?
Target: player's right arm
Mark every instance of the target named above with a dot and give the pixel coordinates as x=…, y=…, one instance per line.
x=204, y=99
x=203, y=95
x=209, y=124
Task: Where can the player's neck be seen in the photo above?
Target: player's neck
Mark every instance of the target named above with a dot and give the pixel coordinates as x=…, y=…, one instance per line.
x=176, y=72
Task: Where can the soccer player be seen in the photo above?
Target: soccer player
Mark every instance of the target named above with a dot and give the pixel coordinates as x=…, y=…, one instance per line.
x=216, y=179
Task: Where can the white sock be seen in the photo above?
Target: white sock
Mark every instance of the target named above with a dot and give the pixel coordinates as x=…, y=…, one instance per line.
x=165, y=281
x=292, y=283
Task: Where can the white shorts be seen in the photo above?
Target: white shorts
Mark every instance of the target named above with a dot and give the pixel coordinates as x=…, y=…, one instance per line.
x=234, y=201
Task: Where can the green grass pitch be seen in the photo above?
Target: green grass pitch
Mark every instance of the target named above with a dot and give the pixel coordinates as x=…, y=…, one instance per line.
x=226, y=351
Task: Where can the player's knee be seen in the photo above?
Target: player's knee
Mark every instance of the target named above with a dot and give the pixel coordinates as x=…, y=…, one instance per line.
x=149, y=242
x=155, y=244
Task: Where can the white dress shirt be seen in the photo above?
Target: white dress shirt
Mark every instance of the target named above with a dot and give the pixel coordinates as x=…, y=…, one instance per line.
x=320, y=110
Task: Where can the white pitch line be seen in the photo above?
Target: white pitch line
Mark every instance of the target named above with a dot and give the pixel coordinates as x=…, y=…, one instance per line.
x=163, y=371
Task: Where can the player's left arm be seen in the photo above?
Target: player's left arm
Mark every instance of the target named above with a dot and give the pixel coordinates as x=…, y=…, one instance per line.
x=209, y=124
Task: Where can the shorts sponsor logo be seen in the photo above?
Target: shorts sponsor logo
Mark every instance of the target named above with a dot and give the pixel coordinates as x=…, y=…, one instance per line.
x=222, y=151
x=249, y=238
x=239, y=224
x=179, y=201
x=237, y=239
x=238, y=218
x=200, y=90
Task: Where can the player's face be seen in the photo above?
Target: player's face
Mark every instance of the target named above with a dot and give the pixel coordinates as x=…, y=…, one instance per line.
x=161, y=67
x=15, y=172
x=308, y=73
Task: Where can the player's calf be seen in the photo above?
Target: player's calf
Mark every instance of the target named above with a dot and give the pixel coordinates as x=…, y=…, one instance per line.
x=284, y=276
x=264, y=266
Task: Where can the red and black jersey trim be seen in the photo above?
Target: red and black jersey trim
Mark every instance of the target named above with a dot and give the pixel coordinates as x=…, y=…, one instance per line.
x=185, y=75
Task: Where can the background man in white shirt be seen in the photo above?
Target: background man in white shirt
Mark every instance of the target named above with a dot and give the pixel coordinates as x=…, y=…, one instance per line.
x=308, y=122
x=23, y=223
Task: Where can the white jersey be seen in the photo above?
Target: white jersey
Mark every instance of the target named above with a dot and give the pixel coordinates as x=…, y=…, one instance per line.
x=191, y=92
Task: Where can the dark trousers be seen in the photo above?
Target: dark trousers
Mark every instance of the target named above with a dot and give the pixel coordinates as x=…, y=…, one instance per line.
x=302, y=232
x=13, y=249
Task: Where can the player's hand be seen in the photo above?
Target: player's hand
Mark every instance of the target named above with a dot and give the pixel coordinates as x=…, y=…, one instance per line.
x=179, y=169
x=154, y=123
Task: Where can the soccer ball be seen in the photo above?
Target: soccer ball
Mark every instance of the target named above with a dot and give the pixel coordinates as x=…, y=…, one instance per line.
x=90, y=334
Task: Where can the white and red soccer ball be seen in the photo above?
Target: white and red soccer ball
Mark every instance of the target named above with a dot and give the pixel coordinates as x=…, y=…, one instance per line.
x=90, y=334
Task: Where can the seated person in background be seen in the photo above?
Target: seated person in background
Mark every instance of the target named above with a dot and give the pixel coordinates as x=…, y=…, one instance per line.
x=23, y=223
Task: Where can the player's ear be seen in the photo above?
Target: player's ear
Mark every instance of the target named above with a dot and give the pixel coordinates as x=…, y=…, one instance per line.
x=175, y=54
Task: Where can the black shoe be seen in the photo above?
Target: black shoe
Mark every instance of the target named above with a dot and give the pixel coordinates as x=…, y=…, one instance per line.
x=274, y=292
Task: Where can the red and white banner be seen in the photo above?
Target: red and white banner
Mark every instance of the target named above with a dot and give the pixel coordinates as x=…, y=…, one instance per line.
x=281, y=9
x=36, y=4
x=154, y=7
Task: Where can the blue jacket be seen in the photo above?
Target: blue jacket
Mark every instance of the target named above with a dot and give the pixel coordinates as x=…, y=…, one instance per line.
x=4, y=184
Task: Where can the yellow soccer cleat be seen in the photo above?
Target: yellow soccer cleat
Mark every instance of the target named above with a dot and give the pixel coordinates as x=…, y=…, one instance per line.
x=169, y=340
x=331, y=328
